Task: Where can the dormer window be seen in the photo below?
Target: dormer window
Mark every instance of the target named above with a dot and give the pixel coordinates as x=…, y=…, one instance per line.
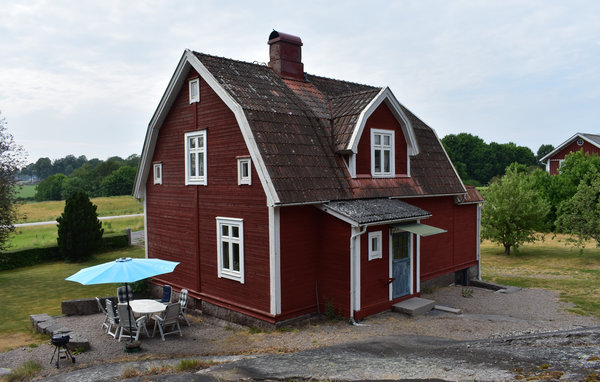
x=382, y=153
x=195, y=90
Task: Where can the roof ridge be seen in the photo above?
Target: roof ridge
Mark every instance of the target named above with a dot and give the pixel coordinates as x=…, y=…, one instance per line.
x=254, y=63
x=338, y=80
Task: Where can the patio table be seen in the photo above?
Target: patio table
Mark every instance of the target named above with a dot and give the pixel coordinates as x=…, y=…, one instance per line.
x=147, y=306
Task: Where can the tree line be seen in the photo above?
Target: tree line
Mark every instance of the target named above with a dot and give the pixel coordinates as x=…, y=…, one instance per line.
x=62, y=177
x=477, y=162
x=526, y=202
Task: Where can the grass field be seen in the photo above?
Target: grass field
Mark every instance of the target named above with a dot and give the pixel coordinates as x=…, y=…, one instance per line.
x=549, y=265
x=40, y=289
x=45, y=235
x=107, y=206
x=26, y=191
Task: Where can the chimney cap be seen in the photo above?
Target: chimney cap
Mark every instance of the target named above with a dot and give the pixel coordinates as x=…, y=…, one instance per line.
x=279, y=36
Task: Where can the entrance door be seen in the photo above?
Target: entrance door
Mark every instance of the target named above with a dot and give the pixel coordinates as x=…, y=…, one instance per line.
x=400, y=264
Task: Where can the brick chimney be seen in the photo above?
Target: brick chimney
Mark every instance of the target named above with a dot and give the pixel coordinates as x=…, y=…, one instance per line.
x=285, y=53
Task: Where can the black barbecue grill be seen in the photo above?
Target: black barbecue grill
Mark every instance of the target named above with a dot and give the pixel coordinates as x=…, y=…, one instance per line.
x=61, y=351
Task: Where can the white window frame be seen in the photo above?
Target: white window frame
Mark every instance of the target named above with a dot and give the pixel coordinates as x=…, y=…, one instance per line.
x=194, y=85
x=241, y=178
x=229, y=272
x=195, y=179
x=381, y=147
x=375, y=254
x=158, y=174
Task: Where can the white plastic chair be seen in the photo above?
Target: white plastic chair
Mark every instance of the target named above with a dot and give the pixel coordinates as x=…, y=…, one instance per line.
x=103, y=310
x=183, y=297
x=170, y=317
x=113, y=320
x=127, y=321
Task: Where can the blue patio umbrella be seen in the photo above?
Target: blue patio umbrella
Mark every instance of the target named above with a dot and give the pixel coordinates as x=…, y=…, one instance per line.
x=123, y=270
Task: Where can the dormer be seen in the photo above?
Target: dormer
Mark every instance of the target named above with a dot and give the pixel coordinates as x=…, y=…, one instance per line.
x=382, y=140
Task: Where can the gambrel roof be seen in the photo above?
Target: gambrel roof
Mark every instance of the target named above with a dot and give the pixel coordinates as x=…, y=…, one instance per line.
x=297, y=132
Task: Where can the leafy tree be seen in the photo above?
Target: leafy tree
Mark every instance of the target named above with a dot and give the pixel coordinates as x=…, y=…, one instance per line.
x=50, y=188
x=12, y=157
x=579, y=216
x=79, y=230
x=543, y=151
x=70, y=185
x=120, y=182
x=514, y=210
x=43, y=168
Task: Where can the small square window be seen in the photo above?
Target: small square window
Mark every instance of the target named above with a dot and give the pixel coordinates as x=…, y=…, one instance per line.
x=244, y=171
x=195, y=90
x=375, y=244
x=157, y=173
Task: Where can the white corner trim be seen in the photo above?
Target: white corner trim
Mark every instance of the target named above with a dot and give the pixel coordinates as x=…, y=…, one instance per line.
x=145, y=229
x=240, y=116
x=275, y=260
x=384, y=95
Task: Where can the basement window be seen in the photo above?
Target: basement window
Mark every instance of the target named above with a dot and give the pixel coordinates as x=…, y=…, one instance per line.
x=375, y=244
x=230, y=242
x=157, y=173
x=195, y=90
x=244, y=171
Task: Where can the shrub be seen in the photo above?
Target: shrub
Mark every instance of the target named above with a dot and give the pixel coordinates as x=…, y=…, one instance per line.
x=79, y=230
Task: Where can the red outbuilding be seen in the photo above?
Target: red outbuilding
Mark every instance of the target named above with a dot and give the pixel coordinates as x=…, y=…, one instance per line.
x=589, y=143
x=283, y=194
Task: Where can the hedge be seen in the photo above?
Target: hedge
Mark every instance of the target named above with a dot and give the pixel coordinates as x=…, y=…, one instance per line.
x=33, y=256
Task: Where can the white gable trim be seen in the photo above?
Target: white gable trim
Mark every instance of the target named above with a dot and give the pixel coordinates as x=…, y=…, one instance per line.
x=565, y=144
x=190, y=60
x=385, y=95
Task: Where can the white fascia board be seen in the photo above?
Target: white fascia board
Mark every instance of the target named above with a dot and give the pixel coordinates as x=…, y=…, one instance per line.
x=384, y=95
x=336, y=214
x=139, y=191
x=565, y=144
x=240, y=116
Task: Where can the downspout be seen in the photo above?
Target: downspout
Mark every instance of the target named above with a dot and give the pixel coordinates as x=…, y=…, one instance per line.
x=478, y=243
x=352, y=271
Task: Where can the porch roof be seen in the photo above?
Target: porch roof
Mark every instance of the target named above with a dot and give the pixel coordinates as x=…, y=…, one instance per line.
x=374, y=211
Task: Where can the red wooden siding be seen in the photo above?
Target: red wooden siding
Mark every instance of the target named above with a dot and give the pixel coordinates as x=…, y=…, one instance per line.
x=374, y=285
x=587, y=148
x=181, y=219
x=333, y=279
x=455, y=249
x=382, y=118
x=299, y=259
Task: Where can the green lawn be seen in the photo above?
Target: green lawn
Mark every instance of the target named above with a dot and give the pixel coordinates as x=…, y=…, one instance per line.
x=41, y=288
x=26, y=191
x=549, y=265
x=107, y=206
x=45, y=235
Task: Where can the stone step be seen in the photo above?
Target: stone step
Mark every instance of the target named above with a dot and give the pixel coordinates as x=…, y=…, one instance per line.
x=414, y=306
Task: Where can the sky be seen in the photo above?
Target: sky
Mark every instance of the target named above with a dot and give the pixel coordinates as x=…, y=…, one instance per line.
x=85, y=77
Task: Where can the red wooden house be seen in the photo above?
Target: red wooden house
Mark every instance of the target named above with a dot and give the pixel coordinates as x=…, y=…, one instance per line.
x=589, y=143
x=283, y=193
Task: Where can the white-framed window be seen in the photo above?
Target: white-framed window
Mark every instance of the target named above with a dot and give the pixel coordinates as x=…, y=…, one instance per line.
x=382, y=153
x=195, y=158
x=375, y=243
x=580, y=142
x=157, y=173
x=230, y=250
x=244, y=171
x=194, y=90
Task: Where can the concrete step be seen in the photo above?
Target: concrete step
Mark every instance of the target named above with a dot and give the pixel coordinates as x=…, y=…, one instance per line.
x=414, y=306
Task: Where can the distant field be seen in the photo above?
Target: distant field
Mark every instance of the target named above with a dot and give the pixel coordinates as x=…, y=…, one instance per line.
x=26, y=191
x=45, y=235
x=107, y=206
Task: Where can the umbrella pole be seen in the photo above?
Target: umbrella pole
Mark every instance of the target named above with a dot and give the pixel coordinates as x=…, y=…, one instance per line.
x=129, y=313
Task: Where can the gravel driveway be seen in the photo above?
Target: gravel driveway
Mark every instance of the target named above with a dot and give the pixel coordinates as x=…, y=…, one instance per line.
x=486, y=315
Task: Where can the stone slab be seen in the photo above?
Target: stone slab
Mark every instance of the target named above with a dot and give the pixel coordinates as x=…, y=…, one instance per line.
x=37, y=318
x=78, y=341
x=447, y=309
x=53, y=327
x=4, y=371
x=509, y=290
x=61, y=330
x=41, y=327
x=414, y=306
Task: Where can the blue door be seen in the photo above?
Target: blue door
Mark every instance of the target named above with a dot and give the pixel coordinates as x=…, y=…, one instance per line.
x=400, y=264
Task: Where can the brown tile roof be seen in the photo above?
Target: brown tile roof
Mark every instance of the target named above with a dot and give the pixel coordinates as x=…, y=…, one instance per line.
x=299, y=126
